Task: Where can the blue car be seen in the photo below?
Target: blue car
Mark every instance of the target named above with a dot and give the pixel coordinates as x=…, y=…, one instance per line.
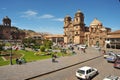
x=111, y=58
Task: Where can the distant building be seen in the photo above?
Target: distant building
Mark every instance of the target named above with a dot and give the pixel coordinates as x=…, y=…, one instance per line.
x=56, y=38
x=8, y=32
x=113, y=39
x=96, y=34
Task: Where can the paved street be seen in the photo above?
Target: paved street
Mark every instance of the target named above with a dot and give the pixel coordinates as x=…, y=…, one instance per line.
x=104, y=69
x=38, y=68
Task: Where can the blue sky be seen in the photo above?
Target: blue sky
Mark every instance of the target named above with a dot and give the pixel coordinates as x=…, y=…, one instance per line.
x=48, y=15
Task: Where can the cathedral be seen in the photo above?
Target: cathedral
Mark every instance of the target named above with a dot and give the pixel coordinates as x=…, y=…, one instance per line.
x=76, y=32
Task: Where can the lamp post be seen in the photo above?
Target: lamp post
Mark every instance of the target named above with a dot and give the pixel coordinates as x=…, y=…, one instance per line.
x=11, y=51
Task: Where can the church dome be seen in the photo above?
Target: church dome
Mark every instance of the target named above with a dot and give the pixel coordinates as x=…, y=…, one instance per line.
x=95, y=22
x=79, y=13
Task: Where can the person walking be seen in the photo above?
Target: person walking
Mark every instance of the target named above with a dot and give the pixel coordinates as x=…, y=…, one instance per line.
x=53, y=57
x=84, y=50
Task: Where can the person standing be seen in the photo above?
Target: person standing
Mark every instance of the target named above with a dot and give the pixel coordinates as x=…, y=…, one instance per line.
x=17, y=61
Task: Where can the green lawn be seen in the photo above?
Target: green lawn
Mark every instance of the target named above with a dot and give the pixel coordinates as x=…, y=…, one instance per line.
x=29, y=56
x=1, y=58
x=2, y=63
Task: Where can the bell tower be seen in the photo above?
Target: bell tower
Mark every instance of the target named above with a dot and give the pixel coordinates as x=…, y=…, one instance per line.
x=67, y=20
x=68, y=29
x=79, y=17
x=6, y=21
x=79, y=27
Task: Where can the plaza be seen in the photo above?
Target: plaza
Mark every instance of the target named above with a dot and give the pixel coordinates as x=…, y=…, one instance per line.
x=37, y=68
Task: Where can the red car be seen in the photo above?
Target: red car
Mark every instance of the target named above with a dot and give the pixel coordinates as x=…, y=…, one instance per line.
x=117, y=63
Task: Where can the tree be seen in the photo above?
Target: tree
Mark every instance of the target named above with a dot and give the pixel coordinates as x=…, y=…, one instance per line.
x=1, y=47
x=47, y=44
x=27, y=42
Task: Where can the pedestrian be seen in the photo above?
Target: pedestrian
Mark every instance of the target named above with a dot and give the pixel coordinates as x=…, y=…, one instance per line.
x=73, y=52
x=23, y=60
x=99, y=49
x=53, y=57
x=20, y=61
x=17, y=61
x=103, y=52
x=72, y=48
x=84, y=50
x=78, y=48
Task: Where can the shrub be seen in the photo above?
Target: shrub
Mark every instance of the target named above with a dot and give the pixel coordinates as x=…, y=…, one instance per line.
x=42, y=48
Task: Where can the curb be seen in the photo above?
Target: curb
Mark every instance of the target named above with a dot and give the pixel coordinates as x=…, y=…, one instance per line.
x=62, y=68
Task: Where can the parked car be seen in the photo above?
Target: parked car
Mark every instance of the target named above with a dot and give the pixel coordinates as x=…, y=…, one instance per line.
x=118, y=55
x=112, y=58
x=117, y=63
x=112, y=78
x=86, y=72
x=110, y=53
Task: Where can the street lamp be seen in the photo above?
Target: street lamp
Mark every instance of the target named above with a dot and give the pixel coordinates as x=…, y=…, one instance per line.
x=11, y=51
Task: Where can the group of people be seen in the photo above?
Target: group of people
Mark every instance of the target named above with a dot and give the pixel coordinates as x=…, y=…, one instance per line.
x=20, y=61
x=82, y=49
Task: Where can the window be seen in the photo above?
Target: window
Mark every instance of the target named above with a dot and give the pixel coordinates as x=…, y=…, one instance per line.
x=92, y=69
x=81, y=71
x=76, y=19
x=88, y=71
x=76, y=32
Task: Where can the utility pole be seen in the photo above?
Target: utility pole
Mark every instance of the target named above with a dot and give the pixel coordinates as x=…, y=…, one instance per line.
x=11, y=50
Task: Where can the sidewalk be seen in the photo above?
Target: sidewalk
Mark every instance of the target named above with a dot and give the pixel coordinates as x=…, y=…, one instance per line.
x=37, y=68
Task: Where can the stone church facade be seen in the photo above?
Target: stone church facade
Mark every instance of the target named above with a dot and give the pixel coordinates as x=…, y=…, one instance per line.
x=8, y=32
x=76, y=32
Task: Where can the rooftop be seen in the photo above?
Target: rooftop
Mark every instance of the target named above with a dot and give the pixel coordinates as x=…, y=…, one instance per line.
x=85, y=68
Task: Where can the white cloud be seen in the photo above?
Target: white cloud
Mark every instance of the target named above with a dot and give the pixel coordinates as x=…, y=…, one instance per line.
x=59, y=19
x=46, y=16
x=33, y=14
x=29, y=13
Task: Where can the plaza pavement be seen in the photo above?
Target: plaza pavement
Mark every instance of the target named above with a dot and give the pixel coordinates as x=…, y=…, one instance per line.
x=37, y=68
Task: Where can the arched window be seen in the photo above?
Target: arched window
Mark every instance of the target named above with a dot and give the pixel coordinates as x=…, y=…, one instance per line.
x=76, y=32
